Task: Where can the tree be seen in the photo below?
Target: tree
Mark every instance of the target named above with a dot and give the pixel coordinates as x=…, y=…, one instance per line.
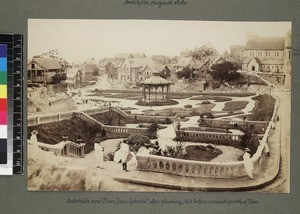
x=153, y=127
x=225, y=71
x=136, y=141
x=203, y=52
x=185, y=73
x=56, y=55
x=58, y=78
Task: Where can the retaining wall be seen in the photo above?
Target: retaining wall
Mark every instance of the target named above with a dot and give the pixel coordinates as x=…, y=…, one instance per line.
x=148, y=162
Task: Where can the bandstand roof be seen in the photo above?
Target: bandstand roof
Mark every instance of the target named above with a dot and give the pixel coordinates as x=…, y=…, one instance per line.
x=156, y=80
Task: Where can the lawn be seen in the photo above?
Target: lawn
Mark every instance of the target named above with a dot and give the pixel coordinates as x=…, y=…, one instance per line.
x=264, y=108
x=235, y=105
x=214, y=98
x=205, y=129
x=195, y=153
x=182, y=112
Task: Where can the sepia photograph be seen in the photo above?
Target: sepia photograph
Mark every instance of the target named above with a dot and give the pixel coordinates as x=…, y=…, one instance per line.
x=158, y=105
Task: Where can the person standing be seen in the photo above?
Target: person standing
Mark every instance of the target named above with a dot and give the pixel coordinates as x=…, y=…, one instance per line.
x=99, y=155
x=125, y=153
x=267, y=149
x=33, y=139
x=248, y=163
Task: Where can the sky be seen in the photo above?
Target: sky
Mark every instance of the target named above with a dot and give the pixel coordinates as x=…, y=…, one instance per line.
x=78, y=40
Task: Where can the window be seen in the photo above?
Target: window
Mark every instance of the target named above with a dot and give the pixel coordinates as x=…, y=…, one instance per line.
x=32, y=66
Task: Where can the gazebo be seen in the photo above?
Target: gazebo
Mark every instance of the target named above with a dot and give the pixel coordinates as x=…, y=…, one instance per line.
x=156, y=88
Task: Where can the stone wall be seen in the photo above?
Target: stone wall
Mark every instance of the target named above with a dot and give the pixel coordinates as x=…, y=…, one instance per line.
x=147, y=162
x=259, y=127
x=221, y=138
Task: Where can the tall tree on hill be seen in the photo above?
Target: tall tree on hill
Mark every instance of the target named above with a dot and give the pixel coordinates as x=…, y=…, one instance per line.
x=204, y=51
x=225, y=71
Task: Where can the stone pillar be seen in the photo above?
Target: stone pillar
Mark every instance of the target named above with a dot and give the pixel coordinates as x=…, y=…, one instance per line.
x=162, y=92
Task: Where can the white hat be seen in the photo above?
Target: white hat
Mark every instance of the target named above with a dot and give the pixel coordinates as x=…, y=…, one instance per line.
x=34, y=132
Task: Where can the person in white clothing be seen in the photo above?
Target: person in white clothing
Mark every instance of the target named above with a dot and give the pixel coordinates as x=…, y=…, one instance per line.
x=33, y=139
x=99, y=155
x=248, y=163
x=125, y=154
x=267, y=150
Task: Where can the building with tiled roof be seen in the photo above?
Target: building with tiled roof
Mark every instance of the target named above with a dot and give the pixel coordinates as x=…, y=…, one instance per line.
x=74, y=77
x=138, y=69
x=267, y=54
x=41, y=70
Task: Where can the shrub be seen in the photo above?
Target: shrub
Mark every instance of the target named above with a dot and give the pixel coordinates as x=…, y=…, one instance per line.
x=136, y=141
x=206, y=102
x=153, y=127
x=167, y=120
x=174, y=151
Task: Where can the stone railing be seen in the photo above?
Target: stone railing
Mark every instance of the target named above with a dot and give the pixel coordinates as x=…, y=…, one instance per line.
x=59, y=101
x=190, y=168
x=48, y=118
x=126, y=130
x=57, y=149
x=75, y=150
x=140, y=117
x=64, y=149
x=211, y=137
x=148, y=162
x=111, y=129
x=88, y=119
x=258, y=126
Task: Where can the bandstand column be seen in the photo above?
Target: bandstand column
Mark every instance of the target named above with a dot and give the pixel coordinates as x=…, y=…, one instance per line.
x=162, y=92
x=149, y=92
x=168, y=90
x=144, y=95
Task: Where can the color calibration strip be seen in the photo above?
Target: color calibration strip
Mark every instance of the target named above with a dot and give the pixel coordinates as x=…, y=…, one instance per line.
x=3, y=109
x=11, y=92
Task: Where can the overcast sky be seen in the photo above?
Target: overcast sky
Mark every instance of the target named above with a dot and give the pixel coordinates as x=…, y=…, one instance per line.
x=78, y=40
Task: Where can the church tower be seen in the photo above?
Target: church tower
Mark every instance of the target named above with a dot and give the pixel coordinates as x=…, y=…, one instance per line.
x=288, y=59
x=288, y=52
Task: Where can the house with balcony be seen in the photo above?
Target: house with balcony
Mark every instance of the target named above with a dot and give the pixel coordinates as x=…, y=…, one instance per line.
x=41, y=70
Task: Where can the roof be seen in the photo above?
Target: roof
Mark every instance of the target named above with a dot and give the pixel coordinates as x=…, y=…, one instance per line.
x=214, y=58
x=156, y=80
x=47, y=63
x=143, y=63
x=130, y=55
x=257, y=60
x=265, y=43
x=231, y=59
x=198, y=65
x=184, y=61
x=247, y=59
x=72, y=72
x=90, y=68
x=115, y=61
